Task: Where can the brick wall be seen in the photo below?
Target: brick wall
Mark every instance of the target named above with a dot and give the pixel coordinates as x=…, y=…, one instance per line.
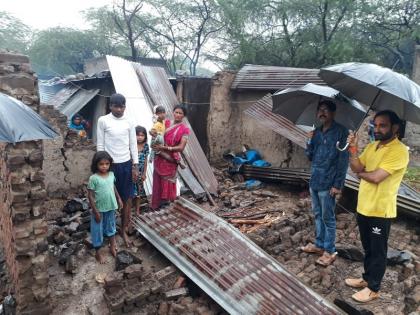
x=23, y=227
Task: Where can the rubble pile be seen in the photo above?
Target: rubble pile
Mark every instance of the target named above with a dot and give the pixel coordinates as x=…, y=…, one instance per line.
x=68, y=234
x=162, y=292
x=281, y=221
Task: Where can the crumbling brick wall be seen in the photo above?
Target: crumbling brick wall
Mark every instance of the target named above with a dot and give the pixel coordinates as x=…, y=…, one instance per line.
x=67, y=158
x=23, y=227
x=228, y=128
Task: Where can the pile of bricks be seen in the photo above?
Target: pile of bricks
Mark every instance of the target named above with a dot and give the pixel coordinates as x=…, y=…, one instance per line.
x=23, y=228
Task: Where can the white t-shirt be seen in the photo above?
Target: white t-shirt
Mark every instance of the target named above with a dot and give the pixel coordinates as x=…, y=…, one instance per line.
x=117, y=136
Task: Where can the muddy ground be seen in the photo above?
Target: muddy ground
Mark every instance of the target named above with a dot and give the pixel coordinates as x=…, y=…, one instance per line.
x=288, y=226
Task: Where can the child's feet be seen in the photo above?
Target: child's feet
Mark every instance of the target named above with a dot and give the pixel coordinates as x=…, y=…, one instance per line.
x=99, y=257
x=127, y=241
x=138, y=211
x=113, y=247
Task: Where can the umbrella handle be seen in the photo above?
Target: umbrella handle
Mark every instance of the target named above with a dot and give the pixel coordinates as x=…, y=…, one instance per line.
x=337, y=145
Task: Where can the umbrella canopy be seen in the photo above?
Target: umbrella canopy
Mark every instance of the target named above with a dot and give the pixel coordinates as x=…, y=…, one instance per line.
x=19, y=122
x=299, y=105
x=377, y=87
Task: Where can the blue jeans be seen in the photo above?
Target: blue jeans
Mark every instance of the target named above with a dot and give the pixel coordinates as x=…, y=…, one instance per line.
x=323, y=205
x=106, y=227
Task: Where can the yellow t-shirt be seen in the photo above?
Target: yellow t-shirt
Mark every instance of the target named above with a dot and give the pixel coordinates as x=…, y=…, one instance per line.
x=160, y=127
x=380, y=200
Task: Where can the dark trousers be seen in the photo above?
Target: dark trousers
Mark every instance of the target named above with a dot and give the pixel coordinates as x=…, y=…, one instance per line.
x=374, y=234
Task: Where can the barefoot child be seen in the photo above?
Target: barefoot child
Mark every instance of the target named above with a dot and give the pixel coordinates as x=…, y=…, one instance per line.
x=103, y=197
x=143, y=149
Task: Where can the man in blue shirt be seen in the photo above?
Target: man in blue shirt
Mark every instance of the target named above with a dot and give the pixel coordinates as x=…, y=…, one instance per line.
x=328, y=172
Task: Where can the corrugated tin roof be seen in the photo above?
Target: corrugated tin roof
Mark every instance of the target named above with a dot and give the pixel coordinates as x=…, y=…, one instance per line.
x=157, y=86
x=271, y=78
x=261, y=112
x=231, y=269
x=77, y=101
x=63, y=95
x=47, y=92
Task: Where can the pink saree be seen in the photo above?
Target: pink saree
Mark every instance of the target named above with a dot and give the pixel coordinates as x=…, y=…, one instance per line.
x=164, y=174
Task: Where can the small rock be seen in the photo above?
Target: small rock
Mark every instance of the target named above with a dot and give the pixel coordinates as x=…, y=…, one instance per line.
x=349, y=252
x=397, y=257
x=71, y=264
x=125, y=259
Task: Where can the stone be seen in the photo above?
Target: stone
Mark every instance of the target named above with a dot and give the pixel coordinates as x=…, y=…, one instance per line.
x=115, y=301
x=74, y=205
x=165, y=273
x=124, y=259
x=36, y=157
x=177, y=309
x=397, y=257
x=72, y=227
x=176, y=293
x=133, y=271
x=163, y=308
x=71, y=264
x=180, y=282
x=349, y=252
x=115, y=279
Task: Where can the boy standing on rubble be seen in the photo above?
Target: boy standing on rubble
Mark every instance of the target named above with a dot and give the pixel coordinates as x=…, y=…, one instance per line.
x=117, y=136
x=328, y=172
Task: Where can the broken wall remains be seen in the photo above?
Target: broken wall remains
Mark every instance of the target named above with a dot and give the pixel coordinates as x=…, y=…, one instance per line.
x=229, y=128
x=23, y=227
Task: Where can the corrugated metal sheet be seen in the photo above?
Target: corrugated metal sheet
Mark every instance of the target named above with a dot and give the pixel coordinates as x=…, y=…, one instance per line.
x=48, y=91
x=160, y=91
x=63, y=95
x=77, y=101
x=408, y=199
x=261, y=112
x=231, y=269
x=271, y=78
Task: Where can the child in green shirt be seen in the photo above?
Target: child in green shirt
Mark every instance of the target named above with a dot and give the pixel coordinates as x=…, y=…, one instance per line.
x=104, y=200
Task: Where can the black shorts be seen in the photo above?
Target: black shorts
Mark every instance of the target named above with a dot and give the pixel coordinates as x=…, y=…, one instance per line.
x=124, y=179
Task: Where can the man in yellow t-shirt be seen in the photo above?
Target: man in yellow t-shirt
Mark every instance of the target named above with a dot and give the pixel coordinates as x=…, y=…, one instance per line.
x=380, y=168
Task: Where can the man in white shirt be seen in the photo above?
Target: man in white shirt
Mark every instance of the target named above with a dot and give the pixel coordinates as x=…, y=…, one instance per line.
x=117, y=136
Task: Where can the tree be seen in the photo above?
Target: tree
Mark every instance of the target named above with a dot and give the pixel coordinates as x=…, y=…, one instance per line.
x=393, y=30
x=14, y=34
x=61, y=51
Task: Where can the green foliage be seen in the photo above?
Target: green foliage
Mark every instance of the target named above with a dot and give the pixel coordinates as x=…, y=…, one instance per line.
x=14, y=35
x=60, y=51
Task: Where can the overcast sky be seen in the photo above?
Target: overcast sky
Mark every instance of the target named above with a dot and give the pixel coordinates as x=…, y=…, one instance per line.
x=41, y=14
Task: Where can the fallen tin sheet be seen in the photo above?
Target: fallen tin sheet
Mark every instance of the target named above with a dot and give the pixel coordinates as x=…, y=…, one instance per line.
x=404, y=202
x=231, y=269
x=159, y=89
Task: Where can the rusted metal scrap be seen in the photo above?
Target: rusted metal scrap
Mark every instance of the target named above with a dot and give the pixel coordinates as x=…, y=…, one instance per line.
x=231, y=269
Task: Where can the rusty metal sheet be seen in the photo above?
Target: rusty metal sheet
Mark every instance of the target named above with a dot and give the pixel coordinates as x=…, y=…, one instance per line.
x=231, y=269
x=408, y=203
x=272, y=78
x=156, y=84
x=261, y=112
x=77, y=101
x=63, y=95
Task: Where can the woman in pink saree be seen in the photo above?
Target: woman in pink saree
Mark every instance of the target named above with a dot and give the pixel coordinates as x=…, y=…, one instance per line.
x=164, y=174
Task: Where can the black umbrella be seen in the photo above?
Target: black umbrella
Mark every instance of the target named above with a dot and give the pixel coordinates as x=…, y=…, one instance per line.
x=299, y=105
x=377, y=87
x=19, y=122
